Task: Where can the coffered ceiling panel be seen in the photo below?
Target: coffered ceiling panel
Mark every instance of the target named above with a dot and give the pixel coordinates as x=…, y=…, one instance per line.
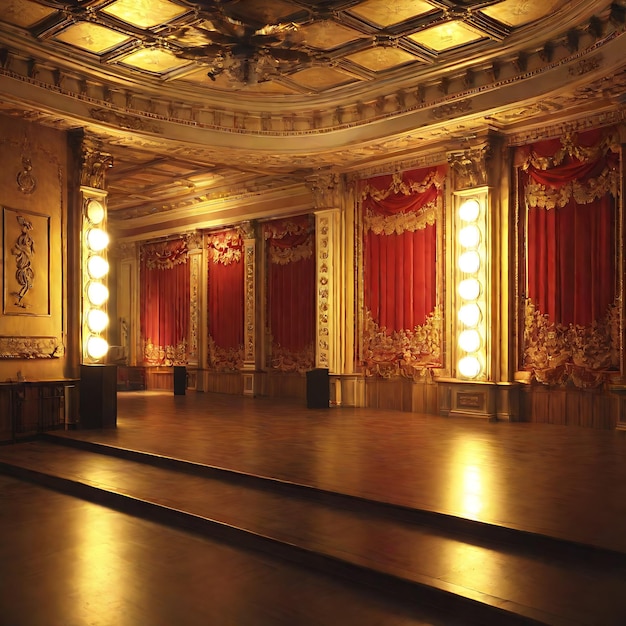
x=448, y=35
x=23, y=13
x=143, y=13
x=91, y=37
x=387, y=12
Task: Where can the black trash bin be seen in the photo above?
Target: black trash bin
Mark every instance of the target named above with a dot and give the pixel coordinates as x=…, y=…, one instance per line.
x=180, y=380
x=317, y=389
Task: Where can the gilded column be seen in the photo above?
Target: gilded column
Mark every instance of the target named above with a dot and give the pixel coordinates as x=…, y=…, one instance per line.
x=196, y=335
x=481, y=328
x=253, y=322
x=126, y=323
x=95, y=295
x=328, y=193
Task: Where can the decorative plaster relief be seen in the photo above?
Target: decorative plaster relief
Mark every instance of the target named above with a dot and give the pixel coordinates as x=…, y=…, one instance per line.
x=27, y=280
x=31, y=348
x=26, y=182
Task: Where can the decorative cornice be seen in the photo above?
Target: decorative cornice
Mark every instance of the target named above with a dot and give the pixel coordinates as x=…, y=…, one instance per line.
x=142, y=108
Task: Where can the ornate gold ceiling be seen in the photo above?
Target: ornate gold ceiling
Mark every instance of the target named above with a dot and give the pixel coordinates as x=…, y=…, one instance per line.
x=204, y=100
x=290, y=46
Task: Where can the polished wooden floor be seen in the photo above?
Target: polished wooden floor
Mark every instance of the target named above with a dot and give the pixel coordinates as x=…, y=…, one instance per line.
x=286, y=515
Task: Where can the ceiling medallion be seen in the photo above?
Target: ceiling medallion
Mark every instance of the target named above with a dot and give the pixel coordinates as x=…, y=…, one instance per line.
x=26, y=182
x=246, y=53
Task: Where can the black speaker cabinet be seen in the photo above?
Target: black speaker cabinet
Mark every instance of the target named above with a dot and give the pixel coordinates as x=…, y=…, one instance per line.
x=317, y=389
x=98, y=396
x=180, y=380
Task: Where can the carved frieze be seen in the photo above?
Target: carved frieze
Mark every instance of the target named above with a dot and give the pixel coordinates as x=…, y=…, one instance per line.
x=31, y=348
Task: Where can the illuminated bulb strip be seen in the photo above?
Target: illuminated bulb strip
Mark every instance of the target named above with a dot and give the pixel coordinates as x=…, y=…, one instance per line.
x=469, y=289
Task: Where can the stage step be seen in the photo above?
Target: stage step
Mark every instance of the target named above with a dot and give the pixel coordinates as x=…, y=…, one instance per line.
x=483, y=573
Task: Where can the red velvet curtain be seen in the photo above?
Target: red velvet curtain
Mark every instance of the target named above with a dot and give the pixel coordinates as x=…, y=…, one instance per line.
x=402, y=326
x=225, y=295
x=291, y=292
x=164, y=302
x=568, y=188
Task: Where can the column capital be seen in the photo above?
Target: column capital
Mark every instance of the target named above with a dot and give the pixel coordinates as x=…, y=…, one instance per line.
x=327, y=189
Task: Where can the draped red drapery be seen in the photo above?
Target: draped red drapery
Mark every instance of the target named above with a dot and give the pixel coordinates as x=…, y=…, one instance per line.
x=164, y=302
x=225, y=300
x=291, y=292
x=402, y=325
x=568, y=189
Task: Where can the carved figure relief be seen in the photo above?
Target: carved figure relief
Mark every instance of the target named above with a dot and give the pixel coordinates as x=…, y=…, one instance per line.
x=24, y=251
x=27, y=263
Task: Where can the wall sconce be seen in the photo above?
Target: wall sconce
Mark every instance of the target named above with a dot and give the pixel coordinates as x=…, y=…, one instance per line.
x=471, y=280
x=95, y=319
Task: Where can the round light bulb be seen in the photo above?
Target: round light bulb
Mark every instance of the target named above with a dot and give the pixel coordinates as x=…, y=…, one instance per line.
x=469, y=315
x=97, y=266
x=469, y=237
x=469, y=341
x=97, y=347
x=469, y=289
x=97, y=293
x=469, y=367
x=97, y=320
x=469, y=210
x=97, y=239
x=469, y=262
x=95, y=211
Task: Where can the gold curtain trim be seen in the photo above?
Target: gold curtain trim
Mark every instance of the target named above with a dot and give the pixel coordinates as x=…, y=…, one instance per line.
x=224, y=359
x=278, y=229
x=408, y=353
x=399, y=186
x=284, y=256
x=557, y=354
x=401, y=222
x=569, y=148
x=287, y=361
x=162, y=256
x=225, y=247
x=164, y=355
x=543, y=197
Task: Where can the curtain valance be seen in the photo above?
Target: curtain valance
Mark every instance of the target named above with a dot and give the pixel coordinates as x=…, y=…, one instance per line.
x=291, y=239
x=581, y=167
x=404, y=201
x=225, y=247
x=164, y=254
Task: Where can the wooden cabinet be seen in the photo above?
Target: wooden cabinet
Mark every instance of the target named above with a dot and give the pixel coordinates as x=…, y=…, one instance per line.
x=32, y=407
x=98, y=396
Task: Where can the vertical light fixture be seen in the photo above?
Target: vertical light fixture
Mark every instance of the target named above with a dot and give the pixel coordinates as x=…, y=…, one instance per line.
x=95, y=319
x=472, y=286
